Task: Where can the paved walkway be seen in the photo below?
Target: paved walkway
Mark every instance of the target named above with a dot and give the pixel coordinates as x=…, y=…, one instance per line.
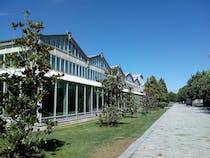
x=182, y=132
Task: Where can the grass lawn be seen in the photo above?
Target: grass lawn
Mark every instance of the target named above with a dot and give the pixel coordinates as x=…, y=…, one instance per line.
x=89, y=140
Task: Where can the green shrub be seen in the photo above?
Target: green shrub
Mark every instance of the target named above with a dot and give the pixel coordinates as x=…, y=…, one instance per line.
x=109, y=116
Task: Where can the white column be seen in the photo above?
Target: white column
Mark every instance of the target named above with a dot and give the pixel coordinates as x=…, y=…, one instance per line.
x=76, y=100
x=55, y=100
x=4, y=91
x=85, y=91
x=97, y=101
x=102, y=99
x=67, y=96
x=91, y=100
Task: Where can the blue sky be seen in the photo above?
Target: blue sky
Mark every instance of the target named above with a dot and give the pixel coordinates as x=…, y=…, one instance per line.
x=164, y=38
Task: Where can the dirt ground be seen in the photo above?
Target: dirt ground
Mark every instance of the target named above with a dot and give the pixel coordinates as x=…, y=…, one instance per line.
x=112, y=150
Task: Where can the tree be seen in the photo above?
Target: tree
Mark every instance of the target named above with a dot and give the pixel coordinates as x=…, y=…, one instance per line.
x=113, y=92
x=129, y=100
x=205, y=88
x=152, y=93
x=172, y=96
x=182, y=94
x=156, y=94
x=163, y=92
x=197, y=87
x=21, y=101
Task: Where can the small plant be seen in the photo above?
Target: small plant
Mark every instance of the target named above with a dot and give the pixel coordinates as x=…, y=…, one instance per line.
x=131, y=106
x=109, y=116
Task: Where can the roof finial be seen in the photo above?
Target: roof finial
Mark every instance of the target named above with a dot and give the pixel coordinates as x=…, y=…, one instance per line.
x=69, y=35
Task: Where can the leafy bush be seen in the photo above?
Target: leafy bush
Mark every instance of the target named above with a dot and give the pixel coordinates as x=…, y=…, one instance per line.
x=109, y=116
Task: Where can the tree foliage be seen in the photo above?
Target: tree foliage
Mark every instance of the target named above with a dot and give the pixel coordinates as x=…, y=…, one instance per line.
x=172, y=97
x=156, y=94
x=113, y=91
x=21, y=102
x=197, y=87
x=182, y=94
x=163, y=93
x=129, y=100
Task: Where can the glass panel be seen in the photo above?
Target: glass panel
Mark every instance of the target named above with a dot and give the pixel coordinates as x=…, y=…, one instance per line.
x=100, y=102
x=94, y=98
x=71, y=98
x=53, y=62
x=88, y=73
x=80, y=71
x=48, y=101
x=7, y=61
x=67, y=67
x=70, y=48
x=57, y=43
x=58, y=64
x=80, y=98
x=88, y=98
x=91, y=74
x=61, y=44
x=77, y=70
x=1, y=93
x=62, y=65
x=66, y=45
x=1, y=60
x=73, y=68
x=83, y=72
x=70, y=67
x=61, y=98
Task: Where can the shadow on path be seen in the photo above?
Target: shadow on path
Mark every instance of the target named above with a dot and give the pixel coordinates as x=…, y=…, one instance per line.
x=205, y=110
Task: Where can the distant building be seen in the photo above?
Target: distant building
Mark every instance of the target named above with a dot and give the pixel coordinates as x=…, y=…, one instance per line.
x=75, y=95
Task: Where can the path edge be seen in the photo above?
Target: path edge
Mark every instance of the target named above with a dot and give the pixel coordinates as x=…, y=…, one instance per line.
x=133, y=147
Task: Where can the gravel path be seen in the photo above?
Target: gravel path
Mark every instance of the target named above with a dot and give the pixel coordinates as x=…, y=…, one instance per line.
x=182, y=132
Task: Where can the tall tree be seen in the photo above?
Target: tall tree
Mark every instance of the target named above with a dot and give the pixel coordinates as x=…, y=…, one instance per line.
x=163, y=93
x=182, y=94
x=21, y=101
x=113, y=91
x=156, y=94
x=151, y=88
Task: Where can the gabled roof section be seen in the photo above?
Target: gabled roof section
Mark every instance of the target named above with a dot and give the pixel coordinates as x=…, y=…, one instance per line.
x=68, y=36
x=100, y=61
x=137, y=82
x=129, y=77
x=118, y=70
x=140, y=78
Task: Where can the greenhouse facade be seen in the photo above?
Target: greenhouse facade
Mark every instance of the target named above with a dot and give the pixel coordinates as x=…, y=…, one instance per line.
x=77, y=93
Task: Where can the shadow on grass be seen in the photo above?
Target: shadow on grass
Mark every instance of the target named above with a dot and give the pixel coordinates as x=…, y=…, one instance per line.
x=52, y=145
x=129, y=116
x=111, y=124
